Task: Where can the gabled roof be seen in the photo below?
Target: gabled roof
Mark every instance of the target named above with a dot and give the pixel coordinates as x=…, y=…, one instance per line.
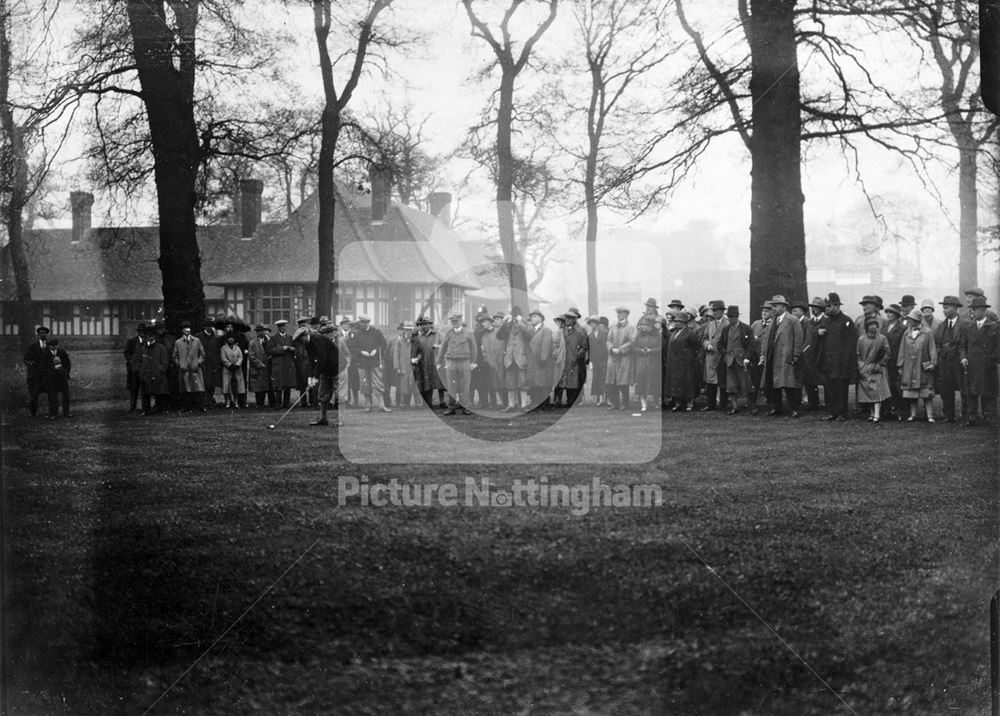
x=120, y=264
x=107, y=264
x=408, y=246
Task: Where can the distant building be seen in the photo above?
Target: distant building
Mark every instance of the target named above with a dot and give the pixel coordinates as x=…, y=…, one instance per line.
x=394, y=263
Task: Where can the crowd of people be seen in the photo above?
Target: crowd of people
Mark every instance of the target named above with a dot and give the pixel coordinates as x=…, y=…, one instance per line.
x=896, y=357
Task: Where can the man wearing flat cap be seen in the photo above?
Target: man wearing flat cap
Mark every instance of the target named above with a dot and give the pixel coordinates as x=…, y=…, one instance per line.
x=456, y=360
x=812, y=376
x=982, y=355
x=621, y=364
x=33, y=357
x=783, y=343
x=971, y=293
x=540, y=373
x=838, y=357
x=950, y=339
x=515, y=332
x=367, y=352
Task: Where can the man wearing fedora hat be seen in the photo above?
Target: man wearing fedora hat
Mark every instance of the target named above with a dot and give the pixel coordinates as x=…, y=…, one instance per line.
x=540, y=373
x=708, y=335
x=759, y=327
x=282, y=355
x=838, y=360
x=574, y=370
x=981, y=356
x=949, y=338
x=869, y=309
x=779, y=360
x=735, y=346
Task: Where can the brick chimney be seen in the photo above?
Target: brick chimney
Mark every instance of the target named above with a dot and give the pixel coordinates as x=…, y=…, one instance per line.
x=381, y=182
x=80, y=202
x=439, y=203
x=250, y=206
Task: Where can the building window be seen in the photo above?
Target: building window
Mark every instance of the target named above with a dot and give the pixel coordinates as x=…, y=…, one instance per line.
x=138, y=310
x=268, y=304
x=61, y=311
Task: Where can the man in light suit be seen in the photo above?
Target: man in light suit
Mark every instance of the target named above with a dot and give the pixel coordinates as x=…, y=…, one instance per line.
x=780, y=354
x=515, y=332
x=735, y=346
x=709, y=333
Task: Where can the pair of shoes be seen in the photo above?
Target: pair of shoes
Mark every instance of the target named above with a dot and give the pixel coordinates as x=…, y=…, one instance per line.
x=731, y=412
x=773, y=412
x=319, y=422
x=930, y=420
x=449, y=411
x=50, y=417
x=706, y=409
x=874, y=421
x=368, y=409
x=795, y=413
x=69, y=415
x=830, y=417
x=466, y=411
x=340, y=423
x=384, y=409
x=910, y=419
x=753, y=411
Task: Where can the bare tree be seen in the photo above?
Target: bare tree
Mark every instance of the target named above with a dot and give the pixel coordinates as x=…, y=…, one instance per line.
x=34, y=121
x=396, y=139
x=332, y=123
x=622, y=42
x=511, y=63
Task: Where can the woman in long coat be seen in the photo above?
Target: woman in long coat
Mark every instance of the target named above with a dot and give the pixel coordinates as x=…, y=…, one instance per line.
x=597, y=346
x=621, y=363
x=232, y=374
x=423, y=349
x=648, y=362
x=873, y=354
x=916, y=362
x=683, y=345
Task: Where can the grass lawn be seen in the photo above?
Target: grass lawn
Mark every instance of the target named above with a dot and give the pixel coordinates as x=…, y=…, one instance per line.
x=201, y=565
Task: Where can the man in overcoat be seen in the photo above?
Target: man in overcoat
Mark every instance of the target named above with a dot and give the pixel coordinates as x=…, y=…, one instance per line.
x=982, y=352
x=259, y=368
x=574, y=374
x=189, y=356
x=683, y=347
x=759, y=328
x=131, y=379
x=368, y=353
x=949, y=337
x=423, y=358
x=282, y=355
x=211, y=369
x=540, y=360
x=782, y=351
x=812, y=376
x=735, y=346
x=838, y=357
x=152, y=361
x=893, y=331
x=708, y=334
x=621, y=362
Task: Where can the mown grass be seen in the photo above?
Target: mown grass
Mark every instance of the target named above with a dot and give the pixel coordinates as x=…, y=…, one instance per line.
x=131, y=545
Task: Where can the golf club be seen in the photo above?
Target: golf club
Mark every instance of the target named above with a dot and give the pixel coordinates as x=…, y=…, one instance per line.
x=272, y=426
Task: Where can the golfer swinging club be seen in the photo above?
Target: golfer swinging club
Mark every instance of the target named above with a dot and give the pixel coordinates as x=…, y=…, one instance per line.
x=328, y=362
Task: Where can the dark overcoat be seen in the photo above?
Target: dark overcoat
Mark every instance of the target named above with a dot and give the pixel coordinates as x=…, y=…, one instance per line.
x=577, y=354
x=283, y=374
x=682, y=363
x=425, y=374
x=152, y=361
x=838, y=359
x=982, y=349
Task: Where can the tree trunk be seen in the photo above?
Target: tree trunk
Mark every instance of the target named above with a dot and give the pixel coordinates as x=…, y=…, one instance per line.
x=325, y=293
x=777, y=231
x=590, y=199
x=27, y=317
x=968, y=224
x=168, y=95
x=505, y=192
